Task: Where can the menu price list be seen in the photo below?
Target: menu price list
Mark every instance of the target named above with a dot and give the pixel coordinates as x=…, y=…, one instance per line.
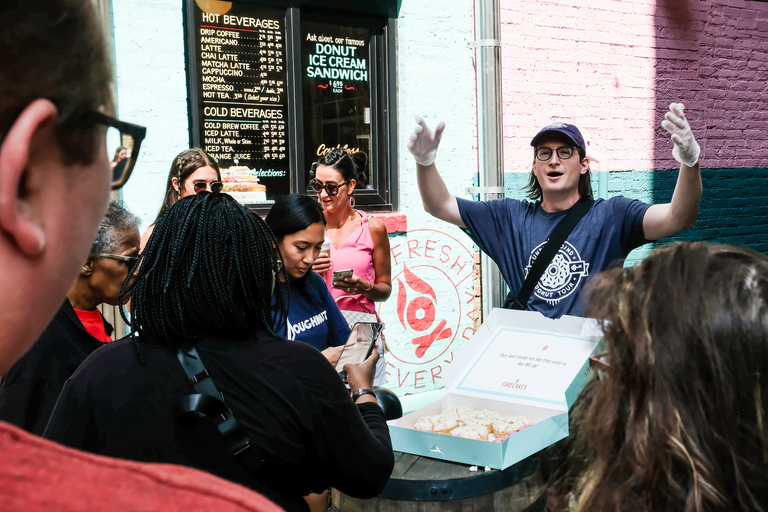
x=245, y=140
x=242, y=98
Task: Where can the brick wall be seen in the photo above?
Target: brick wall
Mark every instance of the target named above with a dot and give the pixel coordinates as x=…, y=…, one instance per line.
x=613, y=66
x=714, y=55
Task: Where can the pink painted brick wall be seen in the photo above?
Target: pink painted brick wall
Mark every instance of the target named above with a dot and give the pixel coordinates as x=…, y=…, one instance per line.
x=613, y=66
x=395, y=222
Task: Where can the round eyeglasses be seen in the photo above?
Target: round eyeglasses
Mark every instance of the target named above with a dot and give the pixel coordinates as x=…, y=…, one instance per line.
x=563, y=153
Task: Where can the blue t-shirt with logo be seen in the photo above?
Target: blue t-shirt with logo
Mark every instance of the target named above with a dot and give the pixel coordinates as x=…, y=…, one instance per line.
x=313, y=316
x=513, y=232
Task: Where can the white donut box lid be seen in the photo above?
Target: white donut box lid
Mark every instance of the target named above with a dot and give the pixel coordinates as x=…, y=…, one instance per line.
x=518, y=362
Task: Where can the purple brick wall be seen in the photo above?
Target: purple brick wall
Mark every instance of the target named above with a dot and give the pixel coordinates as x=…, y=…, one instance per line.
x=613, y=66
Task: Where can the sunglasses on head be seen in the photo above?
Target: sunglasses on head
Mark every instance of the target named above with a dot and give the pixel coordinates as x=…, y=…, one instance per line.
x=215, y=186
x=330, y=188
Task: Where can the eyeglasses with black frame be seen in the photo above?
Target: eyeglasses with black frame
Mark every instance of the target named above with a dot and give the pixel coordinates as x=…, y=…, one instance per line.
x=199, y=186
x=331, y=188
x=563, y=153
x=120, y=135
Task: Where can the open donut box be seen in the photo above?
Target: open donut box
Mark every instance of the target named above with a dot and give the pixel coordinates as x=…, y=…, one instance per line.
x=518, y=362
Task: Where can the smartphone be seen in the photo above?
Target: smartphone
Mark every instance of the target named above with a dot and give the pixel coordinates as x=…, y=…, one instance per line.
x=340, y=275
x=359, y=345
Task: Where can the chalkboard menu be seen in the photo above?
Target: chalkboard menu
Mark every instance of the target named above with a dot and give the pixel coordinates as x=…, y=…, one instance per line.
x=241, y=97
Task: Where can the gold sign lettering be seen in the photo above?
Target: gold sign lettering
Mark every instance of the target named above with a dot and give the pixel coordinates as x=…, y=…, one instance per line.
x=322, y=149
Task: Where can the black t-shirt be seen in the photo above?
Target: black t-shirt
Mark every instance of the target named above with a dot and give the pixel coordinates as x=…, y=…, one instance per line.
x=29, y=390
x=286, y=396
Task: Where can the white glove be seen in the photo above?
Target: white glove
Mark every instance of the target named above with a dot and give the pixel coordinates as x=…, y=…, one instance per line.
x=686, y=150
x=423, y=142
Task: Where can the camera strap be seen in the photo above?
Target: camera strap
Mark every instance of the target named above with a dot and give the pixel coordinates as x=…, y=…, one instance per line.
x=208, y=402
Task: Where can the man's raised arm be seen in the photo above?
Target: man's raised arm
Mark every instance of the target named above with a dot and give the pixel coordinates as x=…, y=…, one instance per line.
x=437, y=200
x=662, y=220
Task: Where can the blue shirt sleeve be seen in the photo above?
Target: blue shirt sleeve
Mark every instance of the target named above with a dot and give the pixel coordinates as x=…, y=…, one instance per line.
x=632, y=211
x=490, y=224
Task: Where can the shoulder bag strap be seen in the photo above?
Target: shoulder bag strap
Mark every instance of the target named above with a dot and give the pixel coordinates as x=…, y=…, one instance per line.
x=359, y=303
x=209, y=402
x=547, y=254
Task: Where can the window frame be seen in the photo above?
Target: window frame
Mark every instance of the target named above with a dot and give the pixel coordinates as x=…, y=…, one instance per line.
x=383, y=160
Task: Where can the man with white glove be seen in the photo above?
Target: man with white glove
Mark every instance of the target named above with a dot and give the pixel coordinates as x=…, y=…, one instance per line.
x=513, y=232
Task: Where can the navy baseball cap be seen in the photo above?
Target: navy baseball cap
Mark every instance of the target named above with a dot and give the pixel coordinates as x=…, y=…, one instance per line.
x=569, y=130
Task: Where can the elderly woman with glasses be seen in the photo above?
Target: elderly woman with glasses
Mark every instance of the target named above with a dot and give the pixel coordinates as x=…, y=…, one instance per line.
x=192, y=171
x=30, y=388
x=358, y=242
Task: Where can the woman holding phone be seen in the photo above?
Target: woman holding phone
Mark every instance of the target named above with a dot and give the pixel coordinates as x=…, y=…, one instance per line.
x=313, y=317
x=358, y=242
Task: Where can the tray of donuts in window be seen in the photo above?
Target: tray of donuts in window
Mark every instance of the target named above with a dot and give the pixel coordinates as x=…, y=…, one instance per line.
x=471, y=423
x=243, y=185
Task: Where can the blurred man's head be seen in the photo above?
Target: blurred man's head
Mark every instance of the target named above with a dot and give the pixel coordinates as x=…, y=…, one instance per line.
x=54, y=168
x=55, y=49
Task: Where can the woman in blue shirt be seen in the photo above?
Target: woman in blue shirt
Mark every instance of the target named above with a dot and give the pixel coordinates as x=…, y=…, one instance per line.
x=298, y=224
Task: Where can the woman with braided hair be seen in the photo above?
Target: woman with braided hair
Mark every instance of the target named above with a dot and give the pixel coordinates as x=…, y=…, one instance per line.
x=202, y=295
x=677, y=419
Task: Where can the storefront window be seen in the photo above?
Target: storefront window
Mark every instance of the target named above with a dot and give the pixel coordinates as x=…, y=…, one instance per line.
x=272, y=89
x=337, y=91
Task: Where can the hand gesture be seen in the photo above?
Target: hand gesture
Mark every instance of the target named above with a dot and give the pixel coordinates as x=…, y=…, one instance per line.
x=686, y=150
x=360, y=376
x=354, y=285
x=423, y=142
x=332, y=354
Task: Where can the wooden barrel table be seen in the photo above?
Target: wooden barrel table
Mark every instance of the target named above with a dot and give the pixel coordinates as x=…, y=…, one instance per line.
x=421, y=484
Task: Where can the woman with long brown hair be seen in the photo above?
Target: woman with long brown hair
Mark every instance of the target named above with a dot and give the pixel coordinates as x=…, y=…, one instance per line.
x=192, y=171
x=677, y=420
x=359, y=242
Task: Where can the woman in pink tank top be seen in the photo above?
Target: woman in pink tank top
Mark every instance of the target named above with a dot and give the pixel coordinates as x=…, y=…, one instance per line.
x=358, y=242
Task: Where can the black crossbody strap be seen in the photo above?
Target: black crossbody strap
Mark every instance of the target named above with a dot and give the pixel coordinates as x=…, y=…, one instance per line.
x=209, y=402
x=547, y=254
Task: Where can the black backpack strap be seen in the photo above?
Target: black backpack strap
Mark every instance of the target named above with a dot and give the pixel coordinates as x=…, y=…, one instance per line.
x=547, y=254
x=209, y=402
